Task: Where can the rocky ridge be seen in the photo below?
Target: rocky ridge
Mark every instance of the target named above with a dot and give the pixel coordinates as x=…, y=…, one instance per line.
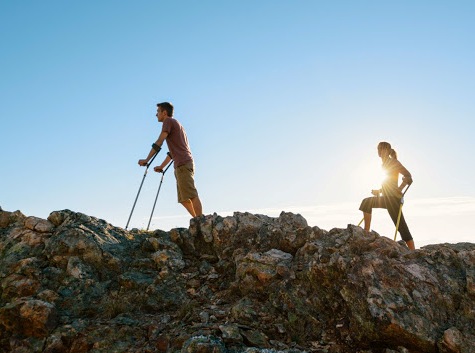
x=244, y=283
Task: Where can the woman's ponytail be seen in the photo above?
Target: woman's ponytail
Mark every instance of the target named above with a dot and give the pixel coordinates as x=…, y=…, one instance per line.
x=386, y=146
x=393, y=153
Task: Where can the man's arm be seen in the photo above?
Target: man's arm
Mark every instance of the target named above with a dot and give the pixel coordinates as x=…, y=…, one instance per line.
x=159, y=169
x=153, y=151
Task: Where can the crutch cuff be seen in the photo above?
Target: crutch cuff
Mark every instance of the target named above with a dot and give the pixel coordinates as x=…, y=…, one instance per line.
x=156, y=147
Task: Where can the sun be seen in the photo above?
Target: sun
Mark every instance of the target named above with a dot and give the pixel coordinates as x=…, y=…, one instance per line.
x=369, y=174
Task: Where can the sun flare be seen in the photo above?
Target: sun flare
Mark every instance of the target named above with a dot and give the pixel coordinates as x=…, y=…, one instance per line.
x=370, y=174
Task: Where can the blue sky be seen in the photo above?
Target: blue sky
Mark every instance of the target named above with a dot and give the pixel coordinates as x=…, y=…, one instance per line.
x=284, y=103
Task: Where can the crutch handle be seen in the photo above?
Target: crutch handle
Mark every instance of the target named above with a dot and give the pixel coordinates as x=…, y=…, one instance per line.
x=153, y=157
x=168, y=166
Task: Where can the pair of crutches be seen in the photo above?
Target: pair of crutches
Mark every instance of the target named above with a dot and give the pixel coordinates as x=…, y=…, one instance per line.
x=140, y=188
x=399, y=213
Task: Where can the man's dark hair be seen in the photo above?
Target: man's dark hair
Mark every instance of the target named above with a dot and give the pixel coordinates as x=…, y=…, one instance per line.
x=168, y=107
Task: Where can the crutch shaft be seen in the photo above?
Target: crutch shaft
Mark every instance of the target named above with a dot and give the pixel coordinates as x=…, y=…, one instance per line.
x=136, y=198
x=400, y=211
x=398, y=220
x=362, y=219
x=158, y=192
x=140, y=188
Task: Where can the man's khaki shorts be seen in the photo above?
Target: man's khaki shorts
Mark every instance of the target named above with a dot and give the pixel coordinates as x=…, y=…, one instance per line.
x=185, y=182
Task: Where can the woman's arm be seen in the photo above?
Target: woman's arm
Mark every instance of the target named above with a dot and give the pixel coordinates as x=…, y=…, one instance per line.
x=406, y=176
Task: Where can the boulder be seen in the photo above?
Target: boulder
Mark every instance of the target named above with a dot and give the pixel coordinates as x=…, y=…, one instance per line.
x=241, y=283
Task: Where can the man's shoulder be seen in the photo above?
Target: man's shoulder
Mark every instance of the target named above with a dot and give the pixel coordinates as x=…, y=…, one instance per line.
x=175, y=121
x=171, y=121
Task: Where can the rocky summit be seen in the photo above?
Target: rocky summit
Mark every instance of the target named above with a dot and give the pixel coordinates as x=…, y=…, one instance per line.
x=244, y=283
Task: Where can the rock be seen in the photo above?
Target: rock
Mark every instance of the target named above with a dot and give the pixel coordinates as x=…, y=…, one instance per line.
x=39, y=225
x=453, y=341
x=241, y=283
x=255, y=271
x=77, y=269
x=74, y=242
x=4, y=219
x=57, y=218
x=255, y=338
x=243, y=312
x=28, y=317
x=8, y=218
x=168, y=258
x=231, y=333
x=16, y=285
x=203, y=344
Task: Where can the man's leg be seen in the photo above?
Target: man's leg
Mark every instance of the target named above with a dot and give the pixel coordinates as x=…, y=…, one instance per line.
x=188, y=204
x=193, y=206
x=187, y=191
x=196, y=202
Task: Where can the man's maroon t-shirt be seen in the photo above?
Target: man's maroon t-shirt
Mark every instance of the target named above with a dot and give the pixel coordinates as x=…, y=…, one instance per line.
x=177, y=142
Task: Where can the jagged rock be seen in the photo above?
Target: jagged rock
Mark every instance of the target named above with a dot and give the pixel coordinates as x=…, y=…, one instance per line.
x=453, y=341
x=39, y=225
x=256, y=270
x=7, y=218
x=255, y=338
x=28, y=317
x=203, y=344
x=231, y=333
x=242, y=283
x=167, y=258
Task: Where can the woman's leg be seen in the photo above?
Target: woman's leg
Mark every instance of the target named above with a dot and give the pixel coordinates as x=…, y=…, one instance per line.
x=410, y=244
x=393, y=208
x=366, y=207
x=367, y=221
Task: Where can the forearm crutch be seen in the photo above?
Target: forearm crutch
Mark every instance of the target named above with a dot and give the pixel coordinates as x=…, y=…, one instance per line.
x=140, y=188
x=159, y=187
x=400, y=211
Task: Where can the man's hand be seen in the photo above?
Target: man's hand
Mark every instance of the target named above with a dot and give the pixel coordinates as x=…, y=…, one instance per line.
x=158, y=169
x=143, y=162
x=375, y=192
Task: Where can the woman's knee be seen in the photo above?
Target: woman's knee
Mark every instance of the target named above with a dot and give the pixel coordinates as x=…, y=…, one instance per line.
x=367, y=205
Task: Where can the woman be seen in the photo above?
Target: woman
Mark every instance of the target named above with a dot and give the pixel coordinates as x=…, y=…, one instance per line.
x=391, y=192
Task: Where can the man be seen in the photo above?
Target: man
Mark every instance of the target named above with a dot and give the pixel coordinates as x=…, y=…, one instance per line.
x=175, y=136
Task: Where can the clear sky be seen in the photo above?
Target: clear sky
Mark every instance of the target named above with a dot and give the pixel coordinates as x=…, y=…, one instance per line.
x=284, y=103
